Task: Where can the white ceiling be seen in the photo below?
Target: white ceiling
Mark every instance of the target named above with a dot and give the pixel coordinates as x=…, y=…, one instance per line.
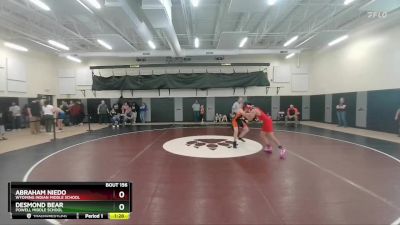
x=219, y=24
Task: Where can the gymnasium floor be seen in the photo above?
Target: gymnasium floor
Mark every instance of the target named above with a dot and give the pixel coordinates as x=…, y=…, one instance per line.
x=329, y=177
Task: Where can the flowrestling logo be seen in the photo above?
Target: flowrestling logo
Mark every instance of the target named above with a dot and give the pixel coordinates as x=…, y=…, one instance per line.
x=211, y=146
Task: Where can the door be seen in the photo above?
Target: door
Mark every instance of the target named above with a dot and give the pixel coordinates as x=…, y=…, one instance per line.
x=223, y=105
x=286, y=101
x=49, y=98
x=59, y=101
x=361, y=113
x=147, y=101
x=178, y=109
x=317, y=108
x=275, y=107
x=305, y=110
x=210, y=110
x=350, y=100
x=328, y=108
x=263, y=102
x=162, y=110
x=187, y=108
x=92, y=105
x=385, y=104
x=5, y=103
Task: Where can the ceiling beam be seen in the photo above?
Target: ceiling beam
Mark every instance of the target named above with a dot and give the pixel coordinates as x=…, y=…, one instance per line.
x=243, y=21
x=142, y=28
x=307, y=17
x=176, y=65
x=220, y=16
x=280, y=21
x=52, y=21
x=367, y=24
x=261, y=24
x=24, y=35
x=162, y=36
x=33, y=26
x=187, y=20
x=186, y=52
x=324, y=22
x=193, y=18
x=361, y=17
x=118, y=31
x=159, y=15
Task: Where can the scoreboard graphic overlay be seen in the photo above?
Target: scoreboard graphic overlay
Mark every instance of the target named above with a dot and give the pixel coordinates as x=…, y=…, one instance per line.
x=70, y=200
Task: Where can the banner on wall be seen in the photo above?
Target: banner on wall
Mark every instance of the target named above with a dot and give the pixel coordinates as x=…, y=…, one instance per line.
x=180, y=81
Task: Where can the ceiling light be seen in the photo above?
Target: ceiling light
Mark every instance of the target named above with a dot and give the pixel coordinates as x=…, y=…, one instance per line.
x=290, y=41
x=340, y=39
x=346, y=2
x=271, y=2
x=195, y=3
x=196, y=42
x=104, y=44
x=58, y=45
x=151, y=44
x=16, y=47
x=48, y=46
x=40, y=4
x=87, y=8
x=74, y=59
x=305, y=41
x=225, y=64
x=242, y=42
x=94, y=3
x=290, y=55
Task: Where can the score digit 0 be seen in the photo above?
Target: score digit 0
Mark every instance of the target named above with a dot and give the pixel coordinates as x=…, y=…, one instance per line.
x=121, y=194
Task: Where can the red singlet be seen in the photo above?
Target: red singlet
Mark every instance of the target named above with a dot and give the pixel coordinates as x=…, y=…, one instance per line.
x=267, y=122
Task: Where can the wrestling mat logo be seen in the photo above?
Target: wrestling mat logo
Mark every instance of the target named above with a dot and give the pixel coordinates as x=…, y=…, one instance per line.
x=211, y=146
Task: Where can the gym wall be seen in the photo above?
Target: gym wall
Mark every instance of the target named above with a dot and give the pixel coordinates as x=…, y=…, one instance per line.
x=367, y=60
x=382, y=106
x=26, y=74
x=281, y=72
x=379, y=107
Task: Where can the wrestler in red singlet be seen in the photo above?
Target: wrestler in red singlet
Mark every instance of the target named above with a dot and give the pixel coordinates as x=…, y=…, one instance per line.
x=267, y=129
x=267, y=121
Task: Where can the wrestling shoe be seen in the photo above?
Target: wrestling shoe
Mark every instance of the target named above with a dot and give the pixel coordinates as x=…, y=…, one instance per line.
x=268, y=149
x=242, y=139
x=282, y=154
x=234, y=144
